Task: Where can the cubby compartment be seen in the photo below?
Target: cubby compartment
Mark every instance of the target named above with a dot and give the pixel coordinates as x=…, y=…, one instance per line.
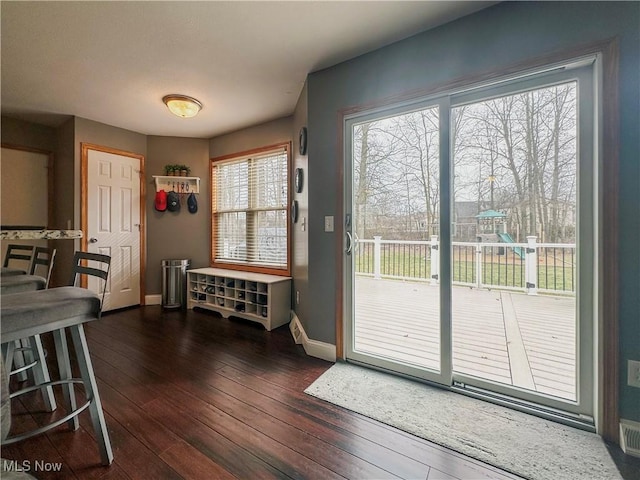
x=258, y=297
x=250, y=308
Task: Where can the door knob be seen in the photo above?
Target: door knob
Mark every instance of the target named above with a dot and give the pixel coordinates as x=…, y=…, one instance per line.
x=93, y=240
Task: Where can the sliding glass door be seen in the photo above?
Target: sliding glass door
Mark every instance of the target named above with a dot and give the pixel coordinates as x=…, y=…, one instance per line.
x=393, y=202
x=470, y=225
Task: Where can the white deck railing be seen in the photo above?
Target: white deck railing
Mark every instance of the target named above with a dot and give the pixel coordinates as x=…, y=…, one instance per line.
x=530, y=267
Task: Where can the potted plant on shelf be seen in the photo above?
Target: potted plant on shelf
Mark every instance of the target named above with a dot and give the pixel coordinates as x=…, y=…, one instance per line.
x=183, y=169
x=170, y=169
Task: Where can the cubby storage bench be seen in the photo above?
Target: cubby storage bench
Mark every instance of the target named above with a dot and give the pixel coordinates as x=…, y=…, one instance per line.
x=265, y=299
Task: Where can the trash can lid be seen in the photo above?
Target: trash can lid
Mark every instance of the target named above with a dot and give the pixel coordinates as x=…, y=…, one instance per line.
x=175, y=263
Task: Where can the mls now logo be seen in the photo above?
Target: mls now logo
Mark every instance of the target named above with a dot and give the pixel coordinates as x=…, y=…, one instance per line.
x=29, y=466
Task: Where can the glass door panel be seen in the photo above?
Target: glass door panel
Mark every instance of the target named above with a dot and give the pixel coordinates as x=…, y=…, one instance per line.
x=515, y=243
x=395, y=210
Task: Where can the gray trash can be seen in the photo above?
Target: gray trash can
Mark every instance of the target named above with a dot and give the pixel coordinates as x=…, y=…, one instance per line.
x=174, y=283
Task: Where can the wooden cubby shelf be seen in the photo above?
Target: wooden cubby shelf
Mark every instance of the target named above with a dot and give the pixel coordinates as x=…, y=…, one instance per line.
x=265, y=299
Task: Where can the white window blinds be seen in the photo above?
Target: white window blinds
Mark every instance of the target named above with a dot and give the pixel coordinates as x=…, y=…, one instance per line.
x=250, y=198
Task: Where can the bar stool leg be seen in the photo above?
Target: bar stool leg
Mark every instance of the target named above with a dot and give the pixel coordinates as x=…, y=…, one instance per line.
x=19, y=361
x=8, y=350
x=41, y=372
x=95, y=409
x=30, y=351
x=64, y=367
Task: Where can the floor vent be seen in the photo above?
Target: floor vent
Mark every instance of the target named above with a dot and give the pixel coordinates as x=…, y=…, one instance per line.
x=630, y=437
x=294, y=327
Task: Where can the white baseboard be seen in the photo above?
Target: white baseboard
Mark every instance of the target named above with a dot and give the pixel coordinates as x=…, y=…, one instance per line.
x=313, y=348
x=153, y=299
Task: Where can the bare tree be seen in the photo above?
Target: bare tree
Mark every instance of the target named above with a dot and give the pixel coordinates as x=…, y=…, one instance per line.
x=515, y=153
x=521, y=152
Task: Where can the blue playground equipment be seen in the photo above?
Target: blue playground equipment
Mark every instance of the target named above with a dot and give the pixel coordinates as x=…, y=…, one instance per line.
x=506, y=238
x=493, y=222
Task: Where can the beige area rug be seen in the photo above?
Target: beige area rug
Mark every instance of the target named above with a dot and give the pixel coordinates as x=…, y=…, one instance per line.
x=522, y=444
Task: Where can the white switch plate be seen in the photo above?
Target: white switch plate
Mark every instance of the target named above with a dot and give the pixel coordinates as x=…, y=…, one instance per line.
x=633, y=373
x=328, y=223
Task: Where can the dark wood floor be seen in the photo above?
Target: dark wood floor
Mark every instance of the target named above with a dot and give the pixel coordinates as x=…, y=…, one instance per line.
x=193, y=395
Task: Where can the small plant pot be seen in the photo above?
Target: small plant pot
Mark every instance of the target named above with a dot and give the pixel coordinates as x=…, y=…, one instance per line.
x=183, y=173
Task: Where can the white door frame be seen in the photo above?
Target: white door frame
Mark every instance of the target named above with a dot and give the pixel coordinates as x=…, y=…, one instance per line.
x=443, y=376
x=84, y=194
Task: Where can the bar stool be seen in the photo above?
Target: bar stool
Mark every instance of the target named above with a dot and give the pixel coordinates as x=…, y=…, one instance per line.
x=59, y=310
x=28, y=354
x=43, y=257
x=20, y=253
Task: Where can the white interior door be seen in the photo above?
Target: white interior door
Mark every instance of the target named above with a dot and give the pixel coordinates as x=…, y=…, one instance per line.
x=113, y=224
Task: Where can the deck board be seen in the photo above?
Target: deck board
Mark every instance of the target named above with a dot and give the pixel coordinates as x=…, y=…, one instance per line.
x=400, y=319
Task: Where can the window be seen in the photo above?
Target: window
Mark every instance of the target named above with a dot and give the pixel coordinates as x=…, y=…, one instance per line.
x=249, y=224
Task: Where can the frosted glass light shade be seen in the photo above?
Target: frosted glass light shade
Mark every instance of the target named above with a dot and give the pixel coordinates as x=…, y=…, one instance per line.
x=182, y=106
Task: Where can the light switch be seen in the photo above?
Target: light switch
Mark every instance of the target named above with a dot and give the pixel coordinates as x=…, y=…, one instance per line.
x=328, y=223
x=633, y=373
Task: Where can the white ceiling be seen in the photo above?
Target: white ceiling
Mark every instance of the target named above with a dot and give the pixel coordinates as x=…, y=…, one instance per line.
x=112, y=62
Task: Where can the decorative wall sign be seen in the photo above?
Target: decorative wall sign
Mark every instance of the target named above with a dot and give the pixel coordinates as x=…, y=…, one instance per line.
x=303, y=141
x=298, y=180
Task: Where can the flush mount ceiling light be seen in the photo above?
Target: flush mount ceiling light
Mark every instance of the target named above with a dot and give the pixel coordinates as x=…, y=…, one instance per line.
x=182, y=106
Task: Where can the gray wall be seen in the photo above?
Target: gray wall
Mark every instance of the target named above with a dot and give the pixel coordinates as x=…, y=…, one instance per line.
x=58, y=141
x=27, y=134
x=269, y=133
x=64, y=207
x=88, y=131
x=300, y=237
x=177, y=235
x=64, y=141
x=494, y=38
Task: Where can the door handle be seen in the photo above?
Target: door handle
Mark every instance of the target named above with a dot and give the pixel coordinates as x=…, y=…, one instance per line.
x=349, y=243
x=93, y=240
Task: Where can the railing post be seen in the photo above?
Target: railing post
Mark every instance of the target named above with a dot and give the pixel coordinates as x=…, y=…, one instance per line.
x=376, y=256
x=435, y=260
x=531, y=266
x=479, y=264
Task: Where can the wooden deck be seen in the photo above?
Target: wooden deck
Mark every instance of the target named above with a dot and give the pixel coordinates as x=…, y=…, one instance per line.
x=506, y=337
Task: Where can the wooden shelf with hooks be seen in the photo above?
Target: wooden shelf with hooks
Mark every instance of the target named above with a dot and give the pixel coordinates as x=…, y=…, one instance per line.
x=177, y=184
